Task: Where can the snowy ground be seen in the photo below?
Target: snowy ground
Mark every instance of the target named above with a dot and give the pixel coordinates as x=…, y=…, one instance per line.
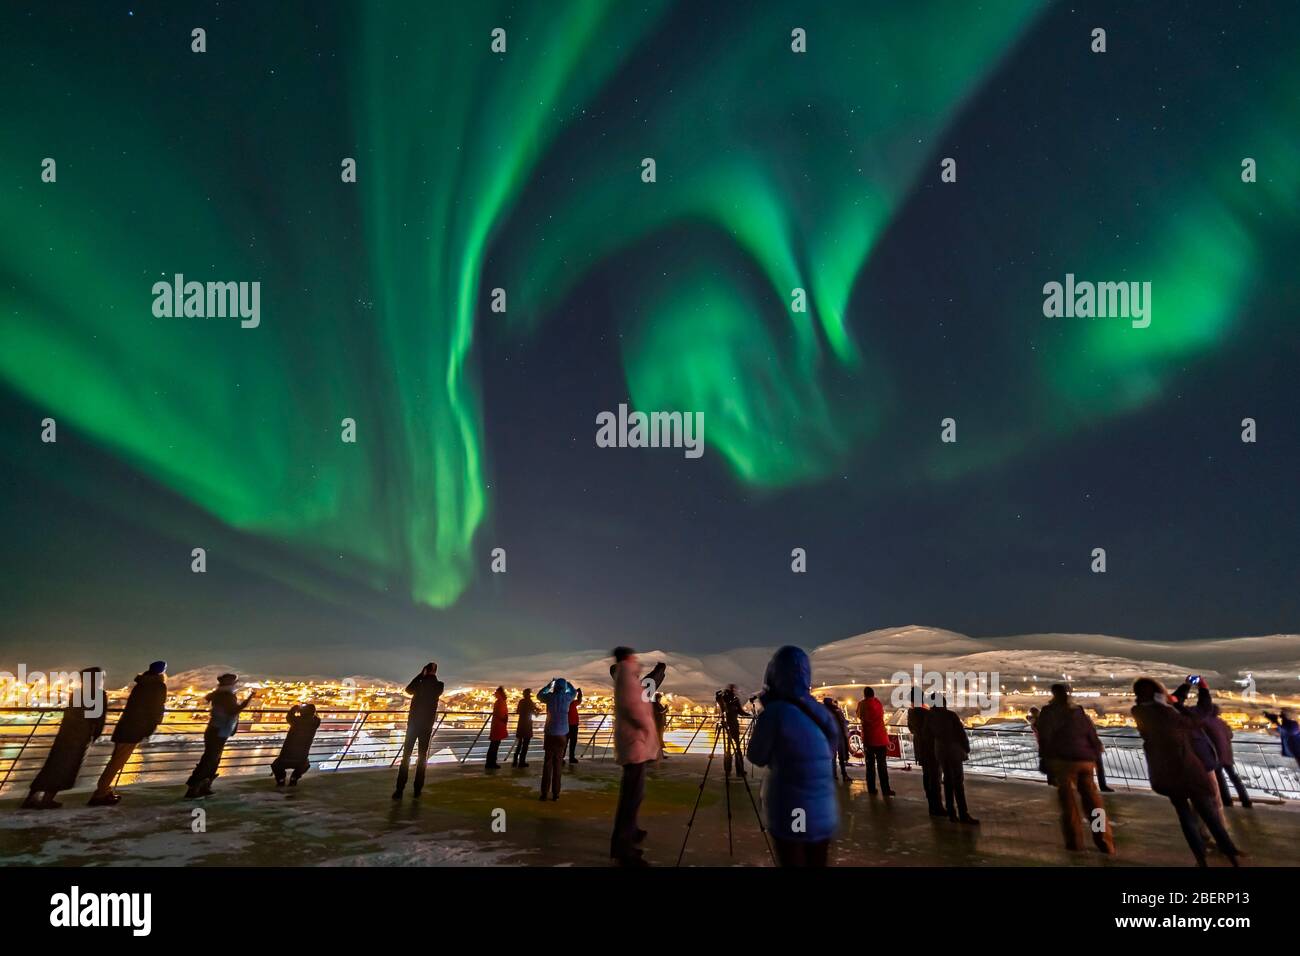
x=349, y=819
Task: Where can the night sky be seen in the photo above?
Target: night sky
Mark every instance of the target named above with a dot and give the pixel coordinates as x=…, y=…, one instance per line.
x=476, y=430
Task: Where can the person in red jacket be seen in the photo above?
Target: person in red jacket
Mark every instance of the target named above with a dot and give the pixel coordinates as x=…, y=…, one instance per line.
x=573, y=728
x=500, y=728
x=875, y=740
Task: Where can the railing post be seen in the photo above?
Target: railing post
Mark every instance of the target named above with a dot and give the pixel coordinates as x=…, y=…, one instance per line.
x=356, y=732
x=433, y=733
x=592, y=740
x=698, y=727
x=40, y=716
x=486, y=721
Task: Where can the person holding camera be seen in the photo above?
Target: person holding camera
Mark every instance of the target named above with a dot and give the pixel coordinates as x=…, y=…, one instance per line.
x=1177, y=772
x=295, y=752
x=732, y=709
x=557, y=696
x=223, y=723
x=525, y=711
x=1288, y=729
x=425, y=690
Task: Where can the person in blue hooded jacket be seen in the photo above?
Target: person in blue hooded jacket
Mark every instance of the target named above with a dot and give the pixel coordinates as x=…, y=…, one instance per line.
x=794, y=737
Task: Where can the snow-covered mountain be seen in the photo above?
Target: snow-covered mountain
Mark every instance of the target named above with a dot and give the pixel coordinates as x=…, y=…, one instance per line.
x=875, y=656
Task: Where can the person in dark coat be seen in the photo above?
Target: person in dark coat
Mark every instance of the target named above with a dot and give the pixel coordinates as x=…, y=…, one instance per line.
x=140, y=718
x=425, y=689
x=661, y=723
x=1175, y=769
x=1206, y=752
x=1070, y=749
x=574, y=717
x=1288, y=730
x=794, y=737
x=223, y=723
x=500, y=728
x=525, y=710
x=842, y=751
x=82, y=723
x=875, y=741
x=1032, y=720
x=1221, y=736
x=923, y=747
x=656, y=676
x=951, y=749
x=732, y=709
x=295, y=752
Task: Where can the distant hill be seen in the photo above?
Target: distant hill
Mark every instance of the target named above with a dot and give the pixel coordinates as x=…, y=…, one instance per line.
x=875, y=656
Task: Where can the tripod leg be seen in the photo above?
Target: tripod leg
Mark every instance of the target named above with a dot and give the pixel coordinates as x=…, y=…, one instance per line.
x=726, y=770
x=759, y=817
x=698, y=797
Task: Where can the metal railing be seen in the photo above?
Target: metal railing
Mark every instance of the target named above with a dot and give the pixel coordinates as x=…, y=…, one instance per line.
x=1014, y=754
x=346, y=739
x=349, y=739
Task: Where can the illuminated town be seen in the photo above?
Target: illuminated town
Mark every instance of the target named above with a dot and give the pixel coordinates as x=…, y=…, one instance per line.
x=1108, y=706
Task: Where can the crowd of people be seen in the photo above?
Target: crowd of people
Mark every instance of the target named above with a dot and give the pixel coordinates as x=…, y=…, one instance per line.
x=1187, y=746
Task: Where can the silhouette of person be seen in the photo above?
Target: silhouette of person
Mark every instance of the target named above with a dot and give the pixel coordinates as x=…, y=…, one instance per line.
x=425, y=690
x=526, y=710
x=500, y=728
x=223, y=723
x=295, y=752
x=140, y=718
x=82, y=723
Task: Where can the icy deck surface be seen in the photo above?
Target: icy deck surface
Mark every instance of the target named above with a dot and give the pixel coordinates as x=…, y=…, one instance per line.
x=348, y=818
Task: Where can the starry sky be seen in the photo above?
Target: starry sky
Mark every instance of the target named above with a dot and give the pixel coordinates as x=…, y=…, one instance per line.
x=522, y=170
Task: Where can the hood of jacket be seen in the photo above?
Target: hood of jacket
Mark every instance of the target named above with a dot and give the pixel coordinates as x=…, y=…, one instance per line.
x=789, y=675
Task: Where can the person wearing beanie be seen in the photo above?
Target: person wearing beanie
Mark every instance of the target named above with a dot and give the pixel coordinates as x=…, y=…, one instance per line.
x=140, y=718
x=223, y=722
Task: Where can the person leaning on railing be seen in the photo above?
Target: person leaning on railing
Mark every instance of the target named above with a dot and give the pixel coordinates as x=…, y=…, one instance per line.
x=223, y=723
x=1177, y=772
x=140, y=718
x=1288, y=730
x=82, y=722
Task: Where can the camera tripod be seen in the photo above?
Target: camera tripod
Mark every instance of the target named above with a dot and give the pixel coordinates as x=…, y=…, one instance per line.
x=730, y=751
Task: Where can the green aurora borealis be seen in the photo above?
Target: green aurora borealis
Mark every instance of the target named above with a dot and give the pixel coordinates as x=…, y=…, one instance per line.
x=522, y=171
